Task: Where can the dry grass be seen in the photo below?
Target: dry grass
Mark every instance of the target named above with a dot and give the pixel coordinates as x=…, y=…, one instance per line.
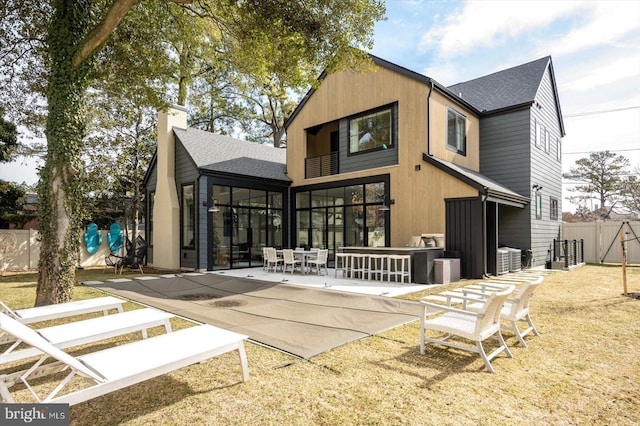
x=583, y=369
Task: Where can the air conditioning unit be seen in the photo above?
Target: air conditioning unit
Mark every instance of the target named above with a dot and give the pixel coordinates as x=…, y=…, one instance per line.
x=503, y=261
x=515, y=260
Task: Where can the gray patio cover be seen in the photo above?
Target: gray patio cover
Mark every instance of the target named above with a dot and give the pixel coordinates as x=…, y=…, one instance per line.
x=299, y=320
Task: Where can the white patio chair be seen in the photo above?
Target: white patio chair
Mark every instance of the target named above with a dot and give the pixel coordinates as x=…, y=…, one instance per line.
x=320, y=261
x=91, y=330
x=265, y=260
x=475, y=326
x=515, y=309
x=289, y=260
x=273, y=261
x=116, y=367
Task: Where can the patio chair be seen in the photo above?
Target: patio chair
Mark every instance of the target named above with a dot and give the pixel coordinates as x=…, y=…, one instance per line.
x=273, y=260
x=117, y=367
x=475, y=326
x=289, y=260
x=515, y=309
x=320, y=261
x=92, y=330
x=116, y=239
x=136, y=253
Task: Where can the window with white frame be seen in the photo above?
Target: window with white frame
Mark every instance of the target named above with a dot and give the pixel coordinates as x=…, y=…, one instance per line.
x=538, y=205
x=559, y=151
x=537, y=136
x=188, y=217
x=456, y=132
x=547, y=141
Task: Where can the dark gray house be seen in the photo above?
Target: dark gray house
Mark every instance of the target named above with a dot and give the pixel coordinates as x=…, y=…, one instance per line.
x=521, y=129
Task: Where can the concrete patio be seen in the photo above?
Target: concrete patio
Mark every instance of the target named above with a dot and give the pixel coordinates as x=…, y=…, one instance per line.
x=378, y=288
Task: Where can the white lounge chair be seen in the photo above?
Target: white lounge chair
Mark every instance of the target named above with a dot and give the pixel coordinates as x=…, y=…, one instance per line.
x=474, y=326
x=91, y=330
x=120, y=366
x=62, y=310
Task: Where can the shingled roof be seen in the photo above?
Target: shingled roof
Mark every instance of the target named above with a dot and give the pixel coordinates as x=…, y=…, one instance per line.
x=224, y=154
x=504, y=89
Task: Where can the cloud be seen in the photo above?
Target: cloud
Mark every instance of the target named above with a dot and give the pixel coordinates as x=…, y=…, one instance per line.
x=606, y=74
x=579, y=25
x=604, y=23
x=487, y=23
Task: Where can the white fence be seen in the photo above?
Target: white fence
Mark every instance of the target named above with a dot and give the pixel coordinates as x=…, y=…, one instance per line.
x=602, y=240
x=20, y=251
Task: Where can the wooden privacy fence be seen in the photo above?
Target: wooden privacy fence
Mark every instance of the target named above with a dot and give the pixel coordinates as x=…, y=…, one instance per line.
x=602, y=240
x=20, y=250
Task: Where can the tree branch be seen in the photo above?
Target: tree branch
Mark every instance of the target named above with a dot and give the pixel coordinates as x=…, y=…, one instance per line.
x=100, y=34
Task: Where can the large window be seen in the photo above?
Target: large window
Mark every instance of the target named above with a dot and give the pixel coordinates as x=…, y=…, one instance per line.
x=341, y=216
x=371, y=131
x=188, y=217
x=152, y=199
x=538, y=205
x=249, y=219
x=456, y=132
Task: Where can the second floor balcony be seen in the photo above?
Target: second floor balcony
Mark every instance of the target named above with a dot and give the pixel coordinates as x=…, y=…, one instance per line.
x=322, y=165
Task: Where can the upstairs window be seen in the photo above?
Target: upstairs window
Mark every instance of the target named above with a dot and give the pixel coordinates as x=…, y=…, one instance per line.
x=559, y=151
x=553, y=208
x=456, y=132
x=537, y=135
x=547, y=141
x=372, y=131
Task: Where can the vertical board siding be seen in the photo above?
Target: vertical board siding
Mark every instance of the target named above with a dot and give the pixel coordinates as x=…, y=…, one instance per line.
x=464, y=233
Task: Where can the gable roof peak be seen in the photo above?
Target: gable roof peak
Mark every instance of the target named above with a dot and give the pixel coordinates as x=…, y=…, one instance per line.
x=507, y=88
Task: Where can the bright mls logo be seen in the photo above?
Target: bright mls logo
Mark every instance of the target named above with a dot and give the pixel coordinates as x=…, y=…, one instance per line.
x=35, y=414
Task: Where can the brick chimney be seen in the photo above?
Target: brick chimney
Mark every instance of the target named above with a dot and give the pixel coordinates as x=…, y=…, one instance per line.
x=166, y=207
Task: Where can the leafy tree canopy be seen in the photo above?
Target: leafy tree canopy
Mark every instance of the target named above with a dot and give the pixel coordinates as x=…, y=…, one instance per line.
x=53, y=54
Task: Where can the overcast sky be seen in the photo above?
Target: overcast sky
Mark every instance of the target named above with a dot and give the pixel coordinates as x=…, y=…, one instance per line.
x=594, y=45
x=595, y=48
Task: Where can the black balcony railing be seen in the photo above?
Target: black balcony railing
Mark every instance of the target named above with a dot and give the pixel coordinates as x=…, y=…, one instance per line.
x=322, y=165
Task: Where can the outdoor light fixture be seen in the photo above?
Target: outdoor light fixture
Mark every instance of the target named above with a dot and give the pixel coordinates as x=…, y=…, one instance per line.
x=386, y=202
x=214, y=208
x=537, y=187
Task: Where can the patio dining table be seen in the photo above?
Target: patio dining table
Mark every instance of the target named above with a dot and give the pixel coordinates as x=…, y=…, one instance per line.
x=303, y=255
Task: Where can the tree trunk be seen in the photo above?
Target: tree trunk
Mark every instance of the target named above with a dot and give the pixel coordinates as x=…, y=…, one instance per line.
x=60, y=188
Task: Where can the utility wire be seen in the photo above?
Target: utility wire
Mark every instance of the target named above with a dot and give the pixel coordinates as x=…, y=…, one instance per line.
x=610, y=150
x=604, y=111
